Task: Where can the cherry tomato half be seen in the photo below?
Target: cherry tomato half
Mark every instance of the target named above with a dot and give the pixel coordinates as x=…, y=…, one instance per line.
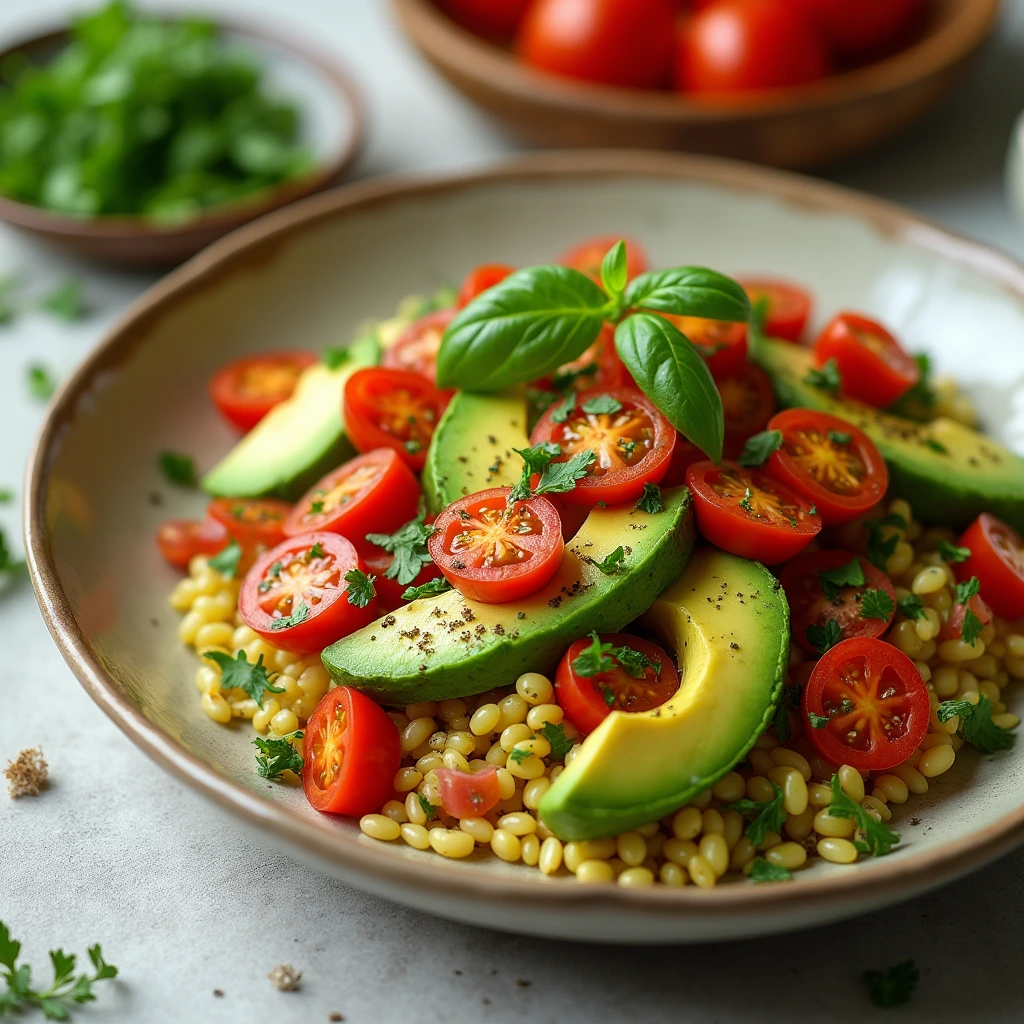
x=723, y=345
x=393, y=409
x=997, y=559
x=497, y=19
x=588, y=700
x=256, y=523
x=832, y=463
x=296, y=597
x=416, y=348
x=876, y=703
x=748, y=513
x=372, y=493
x=479, y=280
x=860, y=28
x=788, y=307
x=587, y=256
x=598, y=367
x=809, y=605
x=245, y=390
x=872, y=364
x=180, y=540
x=633, y=444
x=469, y=794
x=748, y=402
x=350, y=753
x=492, y=553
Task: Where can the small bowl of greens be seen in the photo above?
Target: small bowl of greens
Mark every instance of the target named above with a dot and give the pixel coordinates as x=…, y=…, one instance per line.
x=138, y=139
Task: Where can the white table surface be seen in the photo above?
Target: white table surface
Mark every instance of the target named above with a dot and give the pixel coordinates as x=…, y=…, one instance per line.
x=185, y=901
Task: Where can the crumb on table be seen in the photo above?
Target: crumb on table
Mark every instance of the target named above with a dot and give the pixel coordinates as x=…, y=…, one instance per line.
x=285, y=977
x=26, y=774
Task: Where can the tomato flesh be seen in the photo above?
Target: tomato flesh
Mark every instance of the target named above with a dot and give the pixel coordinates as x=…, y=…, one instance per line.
x=722, y=344
x=788, y=307
x=748, y=402
x=180, y=540
x=997, y=559
x=469, y=794
x=480, y=280
x=245, y=390
x=416, y=349
x=588, y=256
x=350, y=752
x=876, y=702
x=256, y=523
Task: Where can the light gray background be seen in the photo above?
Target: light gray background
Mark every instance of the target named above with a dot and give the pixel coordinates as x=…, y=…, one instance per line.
x=185, y=901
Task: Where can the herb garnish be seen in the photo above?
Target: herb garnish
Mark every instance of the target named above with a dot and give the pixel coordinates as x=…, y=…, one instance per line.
x=839, y=437
x=518, y=755
x=650, y=501
x=241, y=674
x=429, y=809
x=178, y=468
x=817, y=721
x=226, y=560
x=912, y=606
x=565, y=410
x=972, y=627
x=409, y=546
x=360, y=588
x=67, y=300
x=601, y=405
x=878, y=838
x=298, y=616
x=277, y=755
x=825, y=636
x=952, y=552
x=976, y=725
x=41, y=384
x=833, y=580
x=759, y=447
x=762, y=870
x=429, y=589
x=560, y=743
x=612, y=563
x=880, y=549
x=936, y=446
x=894, y=986
x=603, y=657
x=768, y=817
x=827, y=378
x=876, y=604
x=555, y=477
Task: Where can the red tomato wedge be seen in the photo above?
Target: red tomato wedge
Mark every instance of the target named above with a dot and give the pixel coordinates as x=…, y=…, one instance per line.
x=633, y=444
x=872, y=364
x=180, y=540
x=296, y=596
x=245, y=390
x=997, y=559
x=598, y=367
x=469, y=794
x=588, y=256
x=876, y=703
x=393, y=409
x=350, y=753
x=723, y=345
x=479, y=280
x=416, y=349
x=256, y=523
x=588, y=700
x=748, y=402
x=748, y=513
x=810, y=605
x=492, y=553
x=788, y=306
x=832, y=463
x=372, y=493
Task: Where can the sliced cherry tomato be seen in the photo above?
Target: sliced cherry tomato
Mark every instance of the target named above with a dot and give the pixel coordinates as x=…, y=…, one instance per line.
x=256, y=523
x=748, y=513
x=572, y=516
x=393, y=409
x=997, y=559
x=876, y=703
x=863, y=28
x=479, y=280
x=735, y=46
x=587, y=256
x=493, y=554
x=588, y=700
x=180, y=540
x=810, y=606
x=832, y=463
x=748, y=402
x=872, y=364
x=350, y=753
x=684, y=455
x=247, y=389
x=723, y=345
x=389, y=591
x=416, y=348
x=616, y=42
x=788, y=307
x=497, y=19
x=469, y=794
x=633, y=444
x=296, y=597
x=372, y=493
x=598, y=367
x=953, y=627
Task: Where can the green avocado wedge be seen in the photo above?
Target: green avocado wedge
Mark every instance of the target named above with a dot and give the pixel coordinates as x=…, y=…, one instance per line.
x=948, y=472
x=446, y=646
x=728, y=622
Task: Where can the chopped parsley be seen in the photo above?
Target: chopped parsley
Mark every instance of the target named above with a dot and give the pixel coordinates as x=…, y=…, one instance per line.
x=316, y=507
x=518, y=755
x=178, y=469
x=952, y=552
x=412, y=446
x=296, y=618
x=976, y=725
x=767, y=817
x=878, y=839
x=409, y=546
x=612, y=563
x=565, y=410
x=67, y=300
x=429, y=809
x=560, y=477
x=817, y=721
x=41, y=384
x=827, y=378
x=972, y=627
x=360, y=588
x=759, y=447
x=316, y=551
x=764, y=871
x=876, y=604
x=336, y=356
x=560, y=743
x=936, y=446
x=825, y=636
x=744, y=502
x=879, y=548
x=277, y=755
x=564, y=379
x=894, y=986
x=833, y=580
x=603, y=657
x=226, y=560
x=839, y=437
x=912, y=606
x=241, y=674
x=429, y=589
x=535, y=460
x=601, y=405
x=650, y=501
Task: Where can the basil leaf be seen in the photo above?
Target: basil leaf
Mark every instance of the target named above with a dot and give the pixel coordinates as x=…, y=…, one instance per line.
x=671, y=373
x=534, y=321
x=689, y=291
x=614, y=272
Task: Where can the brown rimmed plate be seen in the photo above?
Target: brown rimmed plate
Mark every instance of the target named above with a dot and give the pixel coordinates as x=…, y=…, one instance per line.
x=305, y=277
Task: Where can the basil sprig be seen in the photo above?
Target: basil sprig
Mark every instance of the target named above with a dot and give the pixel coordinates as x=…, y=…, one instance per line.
x=541, y=318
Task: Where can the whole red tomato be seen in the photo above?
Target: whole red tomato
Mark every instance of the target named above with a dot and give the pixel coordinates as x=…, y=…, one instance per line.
x=738, y=45
x=616, y=42
x=495, y=18
x=859, y=28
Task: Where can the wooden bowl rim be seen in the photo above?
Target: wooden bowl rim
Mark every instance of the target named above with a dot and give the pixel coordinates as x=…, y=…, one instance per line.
x=320, y=838
x=450, y=45
x=223, y=217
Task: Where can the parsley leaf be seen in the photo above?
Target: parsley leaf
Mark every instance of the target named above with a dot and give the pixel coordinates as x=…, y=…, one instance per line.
x=67, y=300
x=759, y=447
x=827, y=378
x=878, y=839
x=876, y=604
x=744, y=502
x=825, y=636
x=849, y=575
x=564, y=379
x=560, y=743
x=880, y=548
x=41, y=384
x=299, y=615
x=409, y=546
x=518, y=755
x=601, y=405
x=952, y=552
x=429, y=589
x=764, y=871
x=603, y=657
x=360, y=588
x=612, y=563
x=316, y=551
x=277, y=755
x=226, y=560
x=560, y=477
x=912, y=606
x=972, y=627
x=817, y=721
x=783, y=729
x=240, y=674
x=335, y=356
x=565, y=410
x=650, y=501
x=894, y=986
x=429, y=809
x=936, y=446
x=768, y=817
x=839, y=437
x=178, y=468
x=976, y=725
x=535, y=460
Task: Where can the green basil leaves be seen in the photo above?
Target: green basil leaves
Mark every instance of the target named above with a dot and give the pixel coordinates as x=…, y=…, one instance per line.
x=689, y=291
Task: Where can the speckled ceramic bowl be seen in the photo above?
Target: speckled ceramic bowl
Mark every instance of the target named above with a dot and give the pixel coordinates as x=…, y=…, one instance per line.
x=306, y=277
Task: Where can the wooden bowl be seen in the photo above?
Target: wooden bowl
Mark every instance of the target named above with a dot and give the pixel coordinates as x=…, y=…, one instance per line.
x=805, y=126
x=333, y=129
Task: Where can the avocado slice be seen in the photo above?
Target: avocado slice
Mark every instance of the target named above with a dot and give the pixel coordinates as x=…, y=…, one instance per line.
x=446, y=646
x=948, y=472
x=471, y=449
x=728, y=621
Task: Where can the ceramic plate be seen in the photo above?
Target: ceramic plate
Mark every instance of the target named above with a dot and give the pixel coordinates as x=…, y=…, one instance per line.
x=305, y=277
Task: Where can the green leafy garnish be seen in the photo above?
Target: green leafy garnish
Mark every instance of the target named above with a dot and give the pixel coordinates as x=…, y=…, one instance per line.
x=560, y=477
x=827, y=378
x=825, y=636
x=564, y=410
x=226, y=560
x=976, y=725
x=296, y=618
x=912, y=606
x=277, y=755
x=560, y=743
x=612, y=563
x=41, y=383
x=780, y=719
x=833, y=580
x=972, y=627
x=759, y=447
x=878, y=839
x=615, y=269
x=241, y=674
x=952, y=552
x=745, y=503
x=429, y=809
x=817, y=721
x=839, y=437
x=566, y=377
x=894, y=986
x=603, y=657
x=429, y=589
x=535, y=461
x=876, y=604
x=316, y=551
x=518, y=755
x=409, y=546
x=6, y=495
x=360, y=588
x=67, y=301
x=762, y=870
x=335, y=356
x=768, y=817
x=650, y=501
x=936, y=446
x=178, y=469
x=601, y=405
x=879, y=548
